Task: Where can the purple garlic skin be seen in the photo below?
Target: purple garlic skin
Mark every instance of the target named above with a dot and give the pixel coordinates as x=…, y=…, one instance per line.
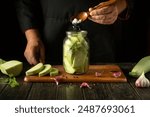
x=142, y=81
x=117, y=74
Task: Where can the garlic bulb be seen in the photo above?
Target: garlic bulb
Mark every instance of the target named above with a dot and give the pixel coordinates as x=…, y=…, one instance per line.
x=142, y=81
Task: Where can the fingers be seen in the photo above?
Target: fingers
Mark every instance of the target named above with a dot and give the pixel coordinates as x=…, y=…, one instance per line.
x=35, y=52
x=90, y=9
x=35, y=58
x=105, y=15
x=102, y=11
x=31, y=58
x=104, y=21
x=42, y=55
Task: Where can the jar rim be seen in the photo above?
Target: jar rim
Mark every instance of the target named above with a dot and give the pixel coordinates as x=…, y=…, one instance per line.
x=81, y=31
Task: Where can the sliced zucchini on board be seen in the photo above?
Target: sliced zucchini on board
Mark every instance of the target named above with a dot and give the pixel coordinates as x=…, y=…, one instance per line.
x=54, y=72
x=35, y=69
x=12, y=68
x=46, y=70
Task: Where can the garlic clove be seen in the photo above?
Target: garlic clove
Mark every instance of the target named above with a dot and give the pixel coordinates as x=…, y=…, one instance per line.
x=84, y=84
x=142, y=81
x=116, y=74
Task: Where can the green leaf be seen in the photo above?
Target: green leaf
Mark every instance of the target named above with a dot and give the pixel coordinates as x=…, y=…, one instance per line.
x=10, y=81
x=13, y=82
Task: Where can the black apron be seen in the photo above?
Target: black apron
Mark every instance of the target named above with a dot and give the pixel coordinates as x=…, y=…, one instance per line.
x=57, y=15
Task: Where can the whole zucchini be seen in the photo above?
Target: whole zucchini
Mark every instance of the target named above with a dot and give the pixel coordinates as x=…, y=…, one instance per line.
x=142, y=66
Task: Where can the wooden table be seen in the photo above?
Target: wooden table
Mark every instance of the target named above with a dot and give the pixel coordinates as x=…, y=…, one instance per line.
x=72, y=91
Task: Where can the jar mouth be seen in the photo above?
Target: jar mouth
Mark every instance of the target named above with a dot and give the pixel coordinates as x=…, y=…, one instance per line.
x=75, y=32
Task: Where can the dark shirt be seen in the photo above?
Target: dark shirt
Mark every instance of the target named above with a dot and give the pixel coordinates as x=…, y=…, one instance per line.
x=52, y=18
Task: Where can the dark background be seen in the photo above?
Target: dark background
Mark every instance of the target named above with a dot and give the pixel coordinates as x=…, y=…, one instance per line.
x=134, y=34
x=12, y=43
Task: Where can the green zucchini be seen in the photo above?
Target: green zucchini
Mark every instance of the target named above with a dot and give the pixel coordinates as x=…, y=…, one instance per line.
x=35, y=69
x=54, y=72
x=12, y=68
x=46, y=70
x=142, y=66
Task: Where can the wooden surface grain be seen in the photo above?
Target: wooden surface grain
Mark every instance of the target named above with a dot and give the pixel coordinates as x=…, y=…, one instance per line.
x=73, y=91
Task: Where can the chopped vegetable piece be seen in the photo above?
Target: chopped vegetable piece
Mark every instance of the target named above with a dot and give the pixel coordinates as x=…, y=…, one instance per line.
x=35, y=69
x=12, y=68
x=46, y=70
x=54, y=72
x=68, y=67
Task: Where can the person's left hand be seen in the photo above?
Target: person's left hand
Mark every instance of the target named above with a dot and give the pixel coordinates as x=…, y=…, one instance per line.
x=105, y=15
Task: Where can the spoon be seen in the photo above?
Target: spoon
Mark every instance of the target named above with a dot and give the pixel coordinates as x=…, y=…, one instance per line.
x=82, y=16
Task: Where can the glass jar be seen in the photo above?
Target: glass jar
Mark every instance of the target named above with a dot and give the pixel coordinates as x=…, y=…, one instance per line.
x=76, y=52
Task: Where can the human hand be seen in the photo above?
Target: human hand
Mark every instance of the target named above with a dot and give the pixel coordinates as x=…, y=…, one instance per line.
x=104, y=15
x=35, y=52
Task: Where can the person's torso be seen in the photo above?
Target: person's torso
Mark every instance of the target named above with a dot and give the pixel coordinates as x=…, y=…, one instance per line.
x=57, y=14
x=66, y=8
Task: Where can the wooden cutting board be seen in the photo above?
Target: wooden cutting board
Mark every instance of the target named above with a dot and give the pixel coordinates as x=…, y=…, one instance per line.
x=106, y=72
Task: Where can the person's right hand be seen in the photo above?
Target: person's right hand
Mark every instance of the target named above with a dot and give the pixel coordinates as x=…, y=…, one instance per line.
x=35, y=51
x=105, y=15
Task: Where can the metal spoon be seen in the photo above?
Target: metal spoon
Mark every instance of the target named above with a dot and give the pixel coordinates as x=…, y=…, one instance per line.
x=82, y=16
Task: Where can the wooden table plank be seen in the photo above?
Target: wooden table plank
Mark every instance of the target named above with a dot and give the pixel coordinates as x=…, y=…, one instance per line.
x=90, y=93
x=111, y=91
x=50, y=91
x=43, y=91
x=121, y=91
x=69, y=91
x=98, y=92
x=72, y=91
x=17, y=93
x=2, y=86
x=144, y=93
